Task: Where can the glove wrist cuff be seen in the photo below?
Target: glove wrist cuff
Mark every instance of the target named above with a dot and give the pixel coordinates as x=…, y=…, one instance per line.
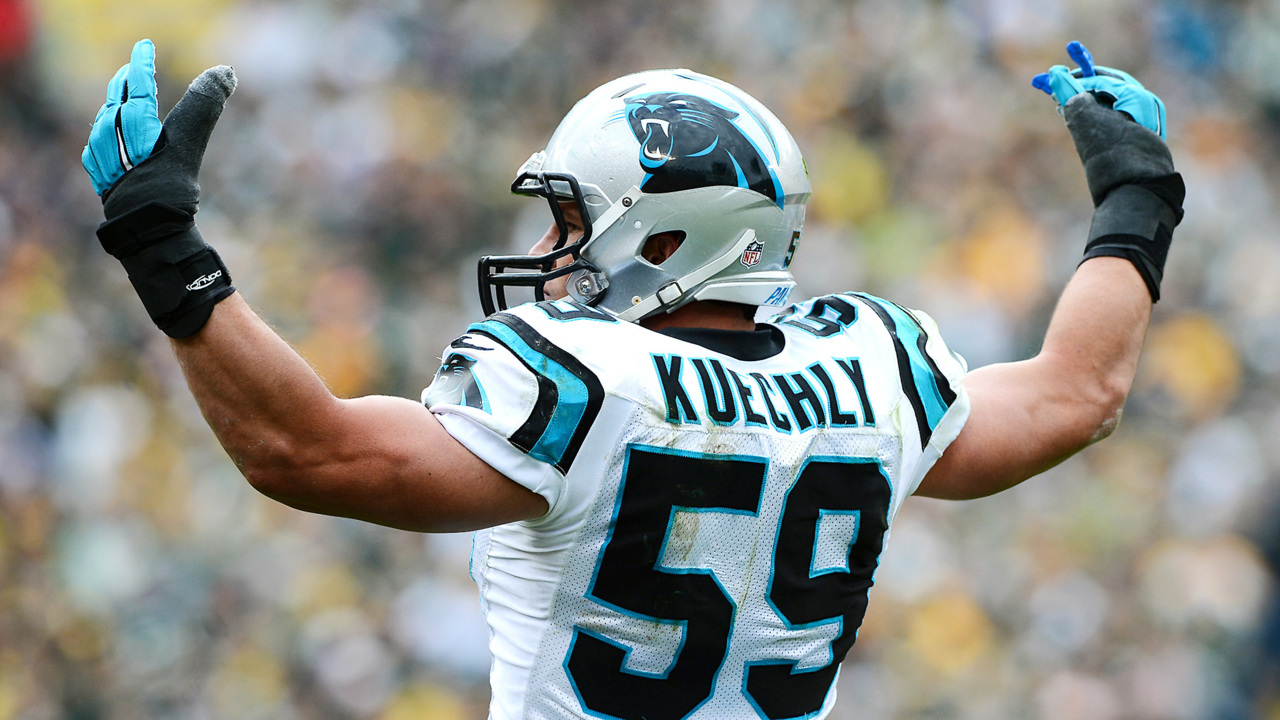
x=178, y=277
x=1136, y=222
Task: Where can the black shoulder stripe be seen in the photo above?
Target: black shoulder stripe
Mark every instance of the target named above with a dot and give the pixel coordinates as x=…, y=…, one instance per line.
x=916, y=368
x=922, y=340
x=569, y=394
x=526, y=436
x=940, y=380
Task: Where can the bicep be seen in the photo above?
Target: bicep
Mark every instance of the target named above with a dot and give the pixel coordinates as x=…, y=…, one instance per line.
x=389, y=461
x=1024, y=418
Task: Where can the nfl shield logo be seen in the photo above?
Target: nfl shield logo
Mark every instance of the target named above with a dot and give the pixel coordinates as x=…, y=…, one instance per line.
x=751, y=255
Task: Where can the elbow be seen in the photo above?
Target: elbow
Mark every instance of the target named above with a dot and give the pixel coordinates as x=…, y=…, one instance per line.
x=1106, y=425
x=1106, y=409
x=284, y=460
x=273, y=467
x=268, y=479
x=1084, y=400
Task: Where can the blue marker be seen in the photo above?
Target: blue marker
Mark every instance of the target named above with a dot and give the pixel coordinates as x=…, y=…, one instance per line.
x=1080, y=54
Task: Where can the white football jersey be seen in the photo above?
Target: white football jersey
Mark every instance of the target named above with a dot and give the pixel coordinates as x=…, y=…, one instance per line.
x=718, y=500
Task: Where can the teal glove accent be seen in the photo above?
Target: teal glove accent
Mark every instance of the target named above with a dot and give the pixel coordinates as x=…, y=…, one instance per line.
x=1063, y=85
x=1112, y=88
x=127, y=126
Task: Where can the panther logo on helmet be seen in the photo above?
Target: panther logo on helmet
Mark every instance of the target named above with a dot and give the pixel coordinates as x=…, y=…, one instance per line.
x=688, y=142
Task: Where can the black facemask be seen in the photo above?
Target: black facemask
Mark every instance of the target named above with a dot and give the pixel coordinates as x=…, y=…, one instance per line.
x=499, y=272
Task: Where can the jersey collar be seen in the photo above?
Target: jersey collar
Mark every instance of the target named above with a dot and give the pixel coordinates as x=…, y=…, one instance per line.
x=760, y=344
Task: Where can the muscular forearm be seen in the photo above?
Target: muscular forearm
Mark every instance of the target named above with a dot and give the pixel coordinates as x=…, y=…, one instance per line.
x=382, y=459
x=1082, y=375
x=1031, y=415
x=258, y=395
x=1094, y=340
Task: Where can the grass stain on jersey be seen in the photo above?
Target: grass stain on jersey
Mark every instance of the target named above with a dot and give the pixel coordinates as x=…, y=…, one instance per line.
x=684, y=532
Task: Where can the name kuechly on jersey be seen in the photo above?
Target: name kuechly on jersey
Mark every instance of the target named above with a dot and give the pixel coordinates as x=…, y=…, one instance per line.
x=718, y=501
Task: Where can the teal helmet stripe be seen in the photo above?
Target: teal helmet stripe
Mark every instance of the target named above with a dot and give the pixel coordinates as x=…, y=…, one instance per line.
x=569, y=394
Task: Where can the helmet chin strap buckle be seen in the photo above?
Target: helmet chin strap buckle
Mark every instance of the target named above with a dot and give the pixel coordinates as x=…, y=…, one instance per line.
x=586, y=286
x=670, y=294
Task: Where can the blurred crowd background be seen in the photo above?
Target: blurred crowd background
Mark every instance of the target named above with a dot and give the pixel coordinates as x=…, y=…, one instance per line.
x=362, y=167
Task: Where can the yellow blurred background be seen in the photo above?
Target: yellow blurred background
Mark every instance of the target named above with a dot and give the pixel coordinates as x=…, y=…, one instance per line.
x=363, y=166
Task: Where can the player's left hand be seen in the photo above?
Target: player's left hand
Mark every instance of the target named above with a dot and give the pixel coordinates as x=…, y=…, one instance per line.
x=1137, y=194
x=1112, y=88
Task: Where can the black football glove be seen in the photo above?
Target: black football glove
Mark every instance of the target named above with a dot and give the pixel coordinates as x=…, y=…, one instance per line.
x=150, y=195
x=1137, y=194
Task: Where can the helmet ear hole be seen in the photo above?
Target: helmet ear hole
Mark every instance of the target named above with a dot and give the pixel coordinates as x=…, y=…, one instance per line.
x=659, y=247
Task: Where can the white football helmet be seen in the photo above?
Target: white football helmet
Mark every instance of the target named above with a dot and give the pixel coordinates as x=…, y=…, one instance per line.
x=661, y=151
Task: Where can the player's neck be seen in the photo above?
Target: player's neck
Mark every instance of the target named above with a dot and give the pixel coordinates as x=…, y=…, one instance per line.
x=702, y=314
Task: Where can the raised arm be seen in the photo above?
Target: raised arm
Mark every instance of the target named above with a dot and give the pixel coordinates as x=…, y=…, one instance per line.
x=380, y=459
x=1025, y=417
x=386, y=460
x=1028, y=416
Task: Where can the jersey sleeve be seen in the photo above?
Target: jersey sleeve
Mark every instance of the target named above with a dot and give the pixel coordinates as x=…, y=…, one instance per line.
x=951, y=369
x=931, y=376
x=516, y=401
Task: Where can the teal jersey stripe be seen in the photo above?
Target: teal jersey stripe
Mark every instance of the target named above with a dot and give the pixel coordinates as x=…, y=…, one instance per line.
x=569, y=395
x=928, y=386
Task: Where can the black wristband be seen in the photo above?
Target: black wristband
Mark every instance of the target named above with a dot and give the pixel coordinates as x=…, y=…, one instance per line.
x=1136, y=222
x=178, y=277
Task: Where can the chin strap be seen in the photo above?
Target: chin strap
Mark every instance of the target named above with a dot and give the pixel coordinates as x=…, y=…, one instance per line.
x=671, y=294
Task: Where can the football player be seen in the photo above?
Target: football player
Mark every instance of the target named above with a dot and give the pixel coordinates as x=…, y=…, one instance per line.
x=681, y=510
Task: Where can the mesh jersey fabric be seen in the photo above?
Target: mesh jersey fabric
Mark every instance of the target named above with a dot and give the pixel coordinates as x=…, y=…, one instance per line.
x=714, y=523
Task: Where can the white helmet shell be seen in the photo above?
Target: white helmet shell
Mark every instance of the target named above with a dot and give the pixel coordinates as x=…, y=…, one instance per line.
x=674, y=150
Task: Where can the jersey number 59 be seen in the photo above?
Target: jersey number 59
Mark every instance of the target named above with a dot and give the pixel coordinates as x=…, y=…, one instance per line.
x=629, y=579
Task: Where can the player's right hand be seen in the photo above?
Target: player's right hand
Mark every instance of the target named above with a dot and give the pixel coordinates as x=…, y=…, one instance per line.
x=1110, y=87
x=128, y=124
x=147, y=175
x=160, y=161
